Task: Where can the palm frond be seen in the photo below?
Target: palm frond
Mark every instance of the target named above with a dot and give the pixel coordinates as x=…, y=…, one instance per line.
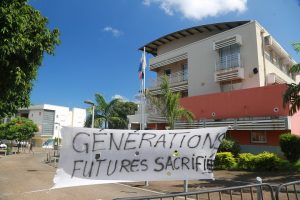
x=165, y=88
x=185, y=114
x=110, y=105
x=291, y=98
x=168, y=103
x=295, y=69
x=101, y=103
x=296, y=46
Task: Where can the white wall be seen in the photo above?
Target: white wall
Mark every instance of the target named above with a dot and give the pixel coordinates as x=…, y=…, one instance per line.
x=184, y=41
x=79, y=116
x=37, y=117
x=202, y=59
x=63, y=116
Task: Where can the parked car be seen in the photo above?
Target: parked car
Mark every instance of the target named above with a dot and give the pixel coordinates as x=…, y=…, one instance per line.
x=2, y=145
x=49, y=144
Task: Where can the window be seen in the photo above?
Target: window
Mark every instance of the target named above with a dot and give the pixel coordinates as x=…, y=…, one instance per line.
x=276, y=60
x=184, y=93
x=268, y=56
x=185, y=72
x=258, y=137
x=285, y=69
x=229, y=56
x=168, y=72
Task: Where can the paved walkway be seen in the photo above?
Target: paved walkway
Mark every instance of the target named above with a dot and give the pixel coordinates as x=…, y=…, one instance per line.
x=25, y=176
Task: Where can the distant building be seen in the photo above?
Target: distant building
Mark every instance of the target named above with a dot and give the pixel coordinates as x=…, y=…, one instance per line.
x=228, y=74
x=50, y=119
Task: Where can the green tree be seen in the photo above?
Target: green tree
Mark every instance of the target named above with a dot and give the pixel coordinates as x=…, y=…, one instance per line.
x=105, y=112
x=121, y=109
x=291, y=96
x=24, y=40
x=20, y=129
x=168, y=104
x=2, y=131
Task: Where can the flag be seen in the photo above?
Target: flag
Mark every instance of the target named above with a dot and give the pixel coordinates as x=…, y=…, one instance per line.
x=142, y=66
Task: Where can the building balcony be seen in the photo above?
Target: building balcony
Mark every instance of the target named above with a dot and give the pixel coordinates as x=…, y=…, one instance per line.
x=178, y=82
x=258, y=123
x=229, y=68
x=167, y=59
x=272, y=45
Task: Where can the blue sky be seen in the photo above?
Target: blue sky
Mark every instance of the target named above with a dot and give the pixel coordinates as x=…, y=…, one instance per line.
x=100, y=40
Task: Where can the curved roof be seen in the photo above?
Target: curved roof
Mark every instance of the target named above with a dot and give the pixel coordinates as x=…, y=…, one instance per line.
x=208, y=28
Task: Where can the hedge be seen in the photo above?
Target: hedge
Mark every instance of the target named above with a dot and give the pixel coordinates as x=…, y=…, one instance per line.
x=230, y=145
x=245, y=161
x=290, y=146
x=224, y=160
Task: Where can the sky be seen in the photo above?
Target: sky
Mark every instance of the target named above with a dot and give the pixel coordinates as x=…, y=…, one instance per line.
x=100, y=40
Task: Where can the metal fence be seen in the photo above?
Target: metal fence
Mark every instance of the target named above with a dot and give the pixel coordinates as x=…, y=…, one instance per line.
x=289, y=191
x=252, y=192
x=264, y=191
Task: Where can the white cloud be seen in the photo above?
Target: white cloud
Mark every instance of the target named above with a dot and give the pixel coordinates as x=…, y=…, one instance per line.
x=115, y=32
x=137, y=98
x=117, y=96
x=147, y=2
x=199, y=9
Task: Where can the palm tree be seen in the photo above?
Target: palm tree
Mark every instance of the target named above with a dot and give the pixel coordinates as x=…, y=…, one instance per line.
x=103, y=112
x=291, y=96
x=168, y=104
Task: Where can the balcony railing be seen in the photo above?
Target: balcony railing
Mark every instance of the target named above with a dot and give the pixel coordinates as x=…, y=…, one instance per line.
x=173, y=78
x=266, y=123
x=228, y=62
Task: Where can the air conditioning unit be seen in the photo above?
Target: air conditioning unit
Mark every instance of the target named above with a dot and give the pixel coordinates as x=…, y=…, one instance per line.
x=268, y=40
x=271, y=79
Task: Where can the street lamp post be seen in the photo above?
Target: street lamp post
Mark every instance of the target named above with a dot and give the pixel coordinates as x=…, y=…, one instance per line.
x=93, y=111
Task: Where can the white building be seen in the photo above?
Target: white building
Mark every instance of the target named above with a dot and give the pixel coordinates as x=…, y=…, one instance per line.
x=50, y=119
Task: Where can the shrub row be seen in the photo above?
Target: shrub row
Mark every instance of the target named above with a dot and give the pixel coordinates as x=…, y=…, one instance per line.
x=230, y=145
x=247, y=161
x=290, y=144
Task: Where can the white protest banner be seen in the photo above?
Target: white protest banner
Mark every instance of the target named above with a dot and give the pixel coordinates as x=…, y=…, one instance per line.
x=93, y=156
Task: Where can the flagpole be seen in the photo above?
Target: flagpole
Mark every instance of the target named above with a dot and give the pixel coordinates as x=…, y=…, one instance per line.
x=144, y=86
x=144, y=96
x=141, y=104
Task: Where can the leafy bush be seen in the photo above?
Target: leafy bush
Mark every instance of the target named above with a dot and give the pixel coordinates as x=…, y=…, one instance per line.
x=290, y=144
x=266, y=161
x=285, y=165
x=245, y=161
x=297, y=165
x=230, y=145
x=263, y=161
x=224, y=160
